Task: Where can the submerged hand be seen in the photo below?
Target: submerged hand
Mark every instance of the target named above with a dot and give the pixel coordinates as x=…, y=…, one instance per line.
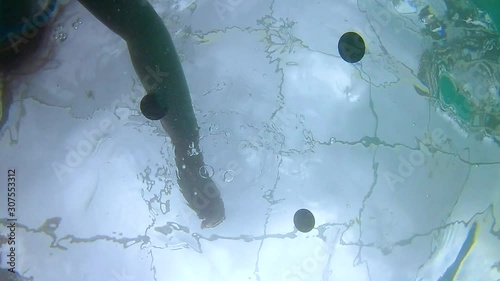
x=201, y=193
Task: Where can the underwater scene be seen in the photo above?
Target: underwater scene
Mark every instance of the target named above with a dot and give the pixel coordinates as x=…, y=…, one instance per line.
x=252, y=140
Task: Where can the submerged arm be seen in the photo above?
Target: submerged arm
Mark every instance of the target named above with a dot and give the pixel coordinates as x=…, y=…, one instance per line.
x=157, y=64
x=155, y=61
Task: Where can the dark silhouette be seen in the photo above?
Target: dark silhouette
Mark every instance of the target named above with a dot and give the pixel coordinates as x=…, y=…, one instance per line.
x=157, y=64
x=168, y=100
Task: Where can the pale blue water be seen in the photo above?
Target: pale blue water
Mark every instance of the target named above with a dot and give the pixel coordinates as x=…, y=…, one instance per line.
x=396, y=156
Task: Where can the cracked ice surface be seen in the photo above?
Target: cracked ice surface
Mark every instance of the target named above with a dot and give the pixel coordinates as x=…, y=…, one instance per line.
x=393, y=184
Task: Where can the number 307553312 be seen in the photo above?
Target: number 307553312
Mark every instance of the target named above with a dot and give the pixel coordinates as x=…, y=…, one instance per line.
x=11, y=190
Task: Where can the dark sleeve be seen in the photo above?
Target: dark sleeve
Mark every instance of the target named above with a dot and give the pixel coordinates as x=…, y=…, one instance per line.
x=153, y=55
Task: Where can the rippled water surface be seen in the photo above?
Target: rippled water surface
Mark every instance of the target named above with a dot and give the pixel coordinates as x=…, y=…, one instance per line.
x=396, y=156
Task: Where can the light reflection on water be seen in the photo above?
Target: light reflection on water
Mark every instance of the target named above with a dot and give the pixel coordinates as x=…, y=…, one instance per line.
x=399, y=166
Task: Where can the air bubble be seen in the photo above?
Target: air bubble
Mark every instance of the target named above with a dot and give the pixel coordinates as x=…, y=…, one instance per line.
x=59, y=34
x=77, y=23
x=206, y=171
x=62, y=37
x=213, y=127
x=58, y=28
x=229, y=176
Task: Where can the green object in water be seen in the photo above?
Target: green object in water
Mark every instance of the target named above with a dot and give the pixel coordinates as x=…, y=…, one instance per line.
x=451, y=97
x=492, y=7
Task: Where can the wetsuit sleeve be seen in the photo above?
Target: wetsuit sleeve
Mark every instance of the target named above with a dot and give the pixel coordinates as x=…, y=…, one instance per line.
x=155, y=60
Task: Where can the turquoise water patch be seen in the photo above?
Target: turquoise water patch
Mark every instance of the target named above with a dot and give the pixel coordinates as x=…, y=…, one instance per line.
x=492, y=7
x=451, y=97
